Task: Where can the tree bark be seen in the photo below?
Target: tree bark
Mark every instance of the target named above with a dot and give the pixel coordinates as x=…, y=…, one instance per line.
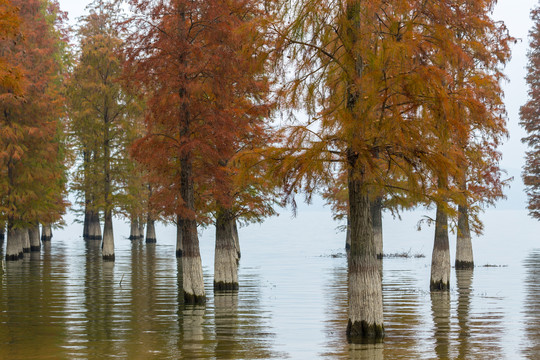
x=348, y=235
x=46, y=232
x=179, y=245
x=464, y=251
x=376, y=215
x=14, y=248
x=365, y=287
x=108, y=238
x=86, y=224
x=141, y=228
x=192, y=274
x=134, y=230
x=236, y=240
x=440, y=259
x=94, y=230
x=150, y=231
x=25, y=239
x=225, y=259
x=33, y=233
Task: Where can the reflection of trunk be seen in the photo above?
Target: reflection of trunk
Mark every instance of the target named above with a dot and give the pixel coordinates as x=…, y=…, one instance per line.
x=376, y=216
x=191, y=257
x=46, y=232
x=236, y=240
x=440, y=259
x=150, y=231
x=440, y=309
x=33, y=233
x=464, y=282
x=179, y=245
x=14, y=249
x=225, y=263
x=365, y=287
x=25, y=239
x=464, y=252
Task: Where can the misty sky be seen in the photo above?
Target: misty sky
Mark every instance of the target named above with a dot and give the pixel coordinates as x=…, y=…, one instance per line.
x=515, y=14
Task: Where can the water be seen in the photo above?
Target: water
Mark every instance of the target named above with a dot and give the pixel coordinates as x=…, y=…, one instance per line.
x=65, y=303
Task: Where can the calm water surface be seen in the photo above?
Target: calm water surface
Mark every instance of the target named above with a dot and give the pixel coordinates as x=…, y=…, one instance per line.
x=65, y=303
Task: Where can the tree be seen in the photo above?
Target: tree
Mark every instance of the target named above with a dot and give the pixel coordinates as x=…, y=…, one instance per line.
x=100, y=117
x=530, y=120
x=374, y=79
x=33, y=177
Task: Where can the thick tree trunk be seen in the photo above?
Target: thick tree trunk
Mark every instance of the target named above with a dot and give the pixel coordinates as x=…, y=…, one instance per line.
x=14, y=247
x=108, y=238
x=134, y=230
x=193, y=282
x=179, y=245
x=33, y=233
x=464, y=251
x=150, y=232
x=46, y=232
x=236, y=240
x=225, y=260
x=86, y=224
x=440, y=259
x=94, y=230
x=365, y=287
x=25, y=239
x=376, y=216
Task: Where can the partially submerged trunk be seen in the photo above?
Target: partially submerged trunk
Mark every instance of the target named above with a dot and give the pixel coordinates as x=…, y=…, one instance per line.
x=226, y=255
x=25, y=239
x=236, y=240
x=94, y=228
x=134, y=230
x=46, y=232
x=179, y=246
x=365, y=287
x=33, y=233
x=192, y=274
x=464, y=251
x=86, y=224
x=376, y=216
x=14, y=247
x=150, y=232
x=108, y=238
x=440, y=259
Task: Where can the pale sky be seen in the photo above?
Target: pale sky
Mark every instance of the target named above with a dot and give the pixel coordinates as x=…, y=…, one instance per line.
x=515, y=14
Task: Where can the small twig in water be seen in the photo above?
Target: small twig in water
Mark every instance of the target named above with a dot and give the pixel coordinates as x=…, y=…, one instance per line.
x=121, y=280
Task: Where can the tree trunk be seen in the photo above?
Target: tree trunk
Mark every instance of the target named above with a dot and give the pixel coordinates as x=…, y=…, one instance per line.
x=365, y=287
x=193, y=282
x=94, y=230
x=225, y=260
x=141, y=228
x=348, y=235
x=134, y=230
x=86, y=224
x=376, y=215
x=33, y=233
x=464, y=251
x=236, y=240
x=179, y=245
x=108, y=238
x=46, y=232
x=150, y=232
x=440, y=259
x=25, y=239
x=14, y=247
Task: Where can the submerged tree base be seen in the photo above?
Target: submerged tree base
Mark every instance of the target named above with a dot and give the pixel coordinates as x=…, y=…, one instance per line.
x=178, y=253
x=360, y=332
x=97, y=238
x=108, y=257
x=14, y=257
x=35, y=248
x=192, y=299
x=223, y=286
x=26, y=250
x=464, y=265
x=151, y=241
x=439, y=286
